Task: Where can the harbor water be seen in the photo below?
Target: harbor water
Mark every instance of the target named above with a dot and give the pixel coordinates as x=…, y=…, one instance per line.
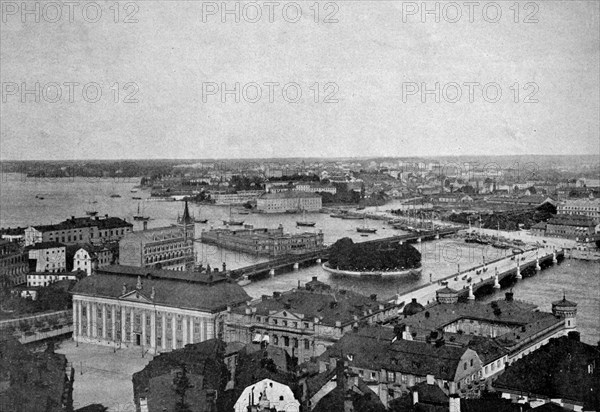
x=20, y=205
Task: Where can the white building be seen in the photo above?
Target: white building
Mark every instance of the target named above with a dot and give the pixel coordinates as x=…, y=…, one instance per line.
x=48, y=257
x=267, y=395
x=315, y=188
x=584, y=207
x=155, y=310
x=89, y=257
x=45, y=279
x=288, y=201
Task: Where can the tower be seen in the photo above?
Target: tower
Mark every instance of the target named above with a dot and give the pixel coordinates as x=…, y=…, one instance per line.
x=186, y=222
x=566, y=310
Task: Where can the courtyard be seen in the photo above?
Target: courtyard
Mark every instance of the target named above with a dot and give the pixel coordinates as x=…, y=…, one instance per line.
x=103, y=375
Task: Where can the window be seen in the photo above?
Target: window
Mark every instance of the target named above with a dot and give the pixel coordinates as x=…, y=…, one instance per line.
x=471, y=362
x=275, y=340
x=286, y=341
x=373, y=376
x=306, y=344
x=465, y=366
x=390, y=376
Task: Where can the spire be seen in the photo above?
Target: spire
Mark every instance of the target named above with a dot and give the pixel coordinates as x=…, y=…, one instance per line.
x=186, y=219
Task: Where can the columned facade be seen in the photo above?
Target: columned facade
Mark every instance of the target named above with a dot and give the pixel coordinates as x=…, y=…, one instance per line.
x=125, y=323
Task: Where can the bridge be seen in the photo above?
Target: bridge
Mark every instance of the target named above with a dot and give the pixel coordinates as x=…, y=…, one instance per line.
x=490, y=275
x=284, y=263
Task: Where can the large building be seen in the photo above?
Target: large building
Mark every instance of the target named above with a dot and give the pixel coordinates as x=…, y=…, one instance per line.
x=289, y=201
x=580, y=207
x=14, y=264
x=170, y=247
x=47, y=257
x=565, y=372
x=238, y=198
x=268, y=242
x=576, y=227
x=156, y=310
x=94, y=230
x=89, y=257
x=392, y=364
x=305, y=321
x=315, y=188
x=501, y=332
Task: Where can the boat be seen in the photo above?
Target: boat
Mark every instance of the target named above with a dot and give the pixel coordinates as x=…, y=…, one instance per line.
x=243, y=212
x=200, y=220
x=133, y=190
x=232, y=222
x=305, y=222
x=114, y=195
x=337, y=215
x=365, y=229
x=139, y=216
x=136, y=198
x=91, y=213
x=351, y=217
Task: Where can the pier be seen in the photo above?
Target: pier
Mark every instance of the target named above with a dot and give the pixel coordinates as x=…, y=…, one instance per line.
x=285, y=263
x=489, y=275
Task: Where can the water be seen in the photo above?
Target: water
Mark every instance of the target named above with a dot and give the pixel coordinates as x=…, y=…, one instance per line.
x=63, y=198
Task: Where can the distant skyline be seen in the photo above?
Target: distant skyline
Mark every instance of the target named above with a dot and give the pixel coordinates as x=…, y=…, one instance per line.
x=369, y=57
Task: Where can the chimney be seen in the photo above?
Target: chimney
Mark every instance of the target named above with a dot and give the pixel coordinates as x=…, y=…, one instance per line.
x=314, y=278
x=415, y=397
x=145, y=225
x=276, y=294
x=73, y=218
x=430, y=380
x=374, y=297
x=454, y=403
x=509, y=296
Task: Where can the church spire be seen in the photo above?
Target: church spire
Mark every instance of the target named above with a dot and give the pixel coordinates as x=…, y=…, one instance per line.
x=186, y=219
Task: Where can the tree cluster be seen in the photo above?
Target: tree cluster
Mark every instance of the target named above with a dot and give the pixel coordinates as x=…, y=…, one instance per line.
x=347, y=255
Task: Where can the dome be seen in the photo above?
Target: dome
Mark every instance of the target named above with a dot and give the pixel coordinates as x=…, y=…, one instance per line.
x=413, y=308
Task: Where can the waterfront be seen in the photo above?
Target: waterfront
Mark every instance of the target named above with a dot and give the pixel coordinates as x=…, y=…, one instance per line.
x=65, y=197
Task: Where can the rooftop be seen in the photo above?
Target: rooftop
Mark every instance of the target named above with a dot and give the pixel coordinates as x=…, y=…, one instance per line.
x=329, y=307
x=187, y=290
x=45, y=245
x=565, y=368
x=80, y=222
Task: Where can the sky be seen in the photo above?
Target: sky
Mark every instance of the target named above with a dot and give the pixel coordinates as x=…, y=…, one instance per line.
x=369, y=74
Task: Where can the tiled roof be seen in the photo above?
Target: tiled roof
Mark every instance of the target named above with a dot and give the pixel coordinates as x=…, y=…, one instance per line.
x=328, y=307
x=77, y=222
x=372, y=348
x=155, y=234
x=169, y=290
x=561, y=371
x=45, y=245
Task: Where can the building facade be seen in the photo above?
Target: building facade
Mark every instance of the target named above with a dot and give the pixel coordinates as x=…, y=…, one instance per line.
x=262, y=241
x=581, y=207
x=288, y=201
x=170, y=247
x=305, y=322
x=47, y=257
x=45, y=279
x=88, y=257
x=238, y=198
x=315, y=188
x=572, y=227
x=156, y=310
x=14, y=264
x=72, y=231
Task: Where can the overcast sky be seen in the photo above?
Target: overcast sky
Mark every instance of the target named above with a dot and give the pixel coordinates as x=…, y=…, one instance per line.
x=369, y=66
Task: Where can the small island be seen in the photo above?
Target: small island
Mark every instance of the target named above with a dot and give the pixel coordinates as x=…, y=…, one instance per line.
x=347, y=257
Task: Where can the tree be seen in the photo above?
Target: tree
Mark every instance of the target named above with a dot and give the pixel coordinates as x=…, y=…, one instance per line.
x=181, y=384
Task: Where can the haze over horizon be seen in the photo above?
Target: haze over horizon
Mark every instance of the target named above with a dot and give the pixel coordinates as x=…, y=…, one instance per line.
x=369, y=57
